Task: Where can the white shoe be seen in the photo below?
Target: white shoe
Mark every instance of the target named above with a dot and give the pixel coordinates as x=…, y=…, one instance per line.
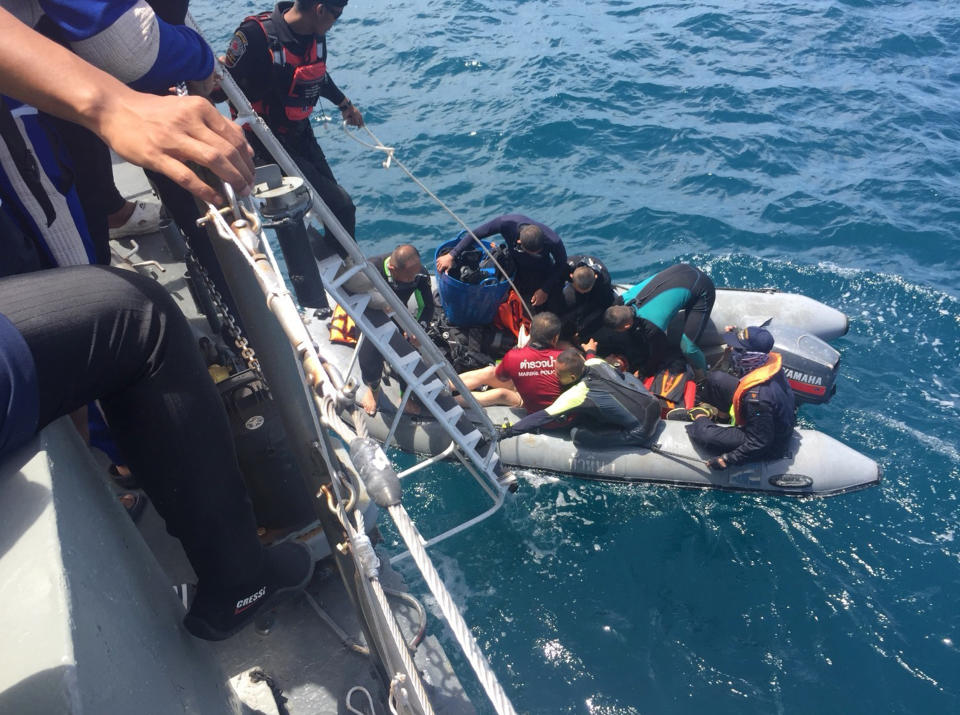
x=144, y=219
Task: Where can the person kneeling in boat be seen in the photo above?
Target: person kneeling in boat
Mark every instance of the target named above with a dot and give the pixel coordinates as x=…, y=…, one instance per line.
x=654, y=303
x=526, y=376
x=617, y=407
x=759, y=400
x=585, y=297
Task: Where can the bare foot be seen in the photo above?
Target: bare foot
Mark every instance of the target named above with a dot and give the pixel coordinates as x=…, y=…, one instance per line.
x=369, y=402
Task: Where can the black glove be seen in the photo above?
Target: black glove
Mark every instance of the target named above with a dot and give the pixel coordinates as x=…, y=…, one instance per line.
x=717, y=463
x=506, y=432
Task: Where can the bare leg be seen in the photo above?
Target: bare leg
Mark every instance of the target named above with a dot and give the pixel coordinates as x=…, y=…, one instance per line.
x=496, y=396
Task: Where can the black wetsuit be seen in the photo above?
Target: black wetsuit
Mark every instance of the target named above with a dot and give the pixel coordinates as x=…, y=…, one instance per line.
x=616, y=403
x=73, y=335
x=546, y=271
x=658, y=299
x=581, y=314
x=643, y=345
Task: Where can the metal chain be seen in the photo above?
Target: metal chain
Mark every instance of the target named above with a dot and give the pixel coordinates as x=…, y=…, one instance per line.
x=246, y=351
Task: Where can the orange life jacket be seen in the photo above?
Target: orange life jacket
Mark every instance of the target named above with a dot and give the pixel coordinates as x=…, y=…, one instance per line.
x=511, y=315
x=750, y=380
x=673, y=388
x=342, y=328
x=302, y=76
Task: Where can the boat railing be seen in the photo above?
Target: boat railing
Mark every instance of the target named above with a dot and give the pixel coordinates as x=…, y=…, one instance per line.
x=367, y=460
x=327, y=399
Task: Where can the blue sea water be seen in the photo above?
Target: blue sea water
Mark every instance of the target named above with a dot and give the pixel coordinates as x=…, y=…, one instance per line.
x=813, y=146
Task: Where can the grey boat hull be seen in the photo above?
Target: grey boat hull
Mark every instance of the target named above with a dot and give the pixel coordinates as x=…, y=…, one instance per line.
x=747, y=307
x=816, y=463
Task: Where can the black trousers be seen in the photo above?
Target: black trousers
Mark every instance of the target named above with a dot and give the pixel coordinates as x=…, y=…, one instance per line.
x=718, y=389
x=309, y=157
x=103, y=333
x=371, y=365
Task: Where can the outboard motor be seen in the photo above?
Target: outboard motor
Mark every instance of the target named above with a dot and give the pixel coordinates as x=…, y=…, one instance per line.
x=810, y=364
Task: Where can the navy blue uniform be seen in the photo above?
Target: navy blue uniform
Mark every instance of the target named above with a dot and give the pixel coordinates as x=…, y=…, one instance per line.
x=249, y=60
x=768, y=419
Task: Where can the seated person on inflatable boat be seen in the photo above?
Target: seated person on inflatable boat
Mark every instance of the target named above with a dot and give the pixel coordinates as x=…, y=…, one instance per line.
x=72, y=335
x=403, y=271
x=585, y=296
x=538, y=254
x=617, y=407
x=655, y=301
x=759, y=400
x=526, y=376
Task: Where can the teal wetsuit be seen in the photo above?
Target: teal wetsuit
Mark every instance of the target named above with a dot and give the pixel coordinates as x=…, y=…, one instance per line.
x=681, y=287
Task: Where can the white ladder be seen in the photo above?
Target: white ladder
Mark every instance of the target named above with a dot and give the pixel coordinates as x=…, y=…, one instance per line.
x=476, y=446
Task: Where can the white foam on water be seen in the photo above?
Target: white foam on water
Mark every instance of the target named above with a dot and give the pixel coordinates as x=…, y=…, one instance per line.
x=934, y=443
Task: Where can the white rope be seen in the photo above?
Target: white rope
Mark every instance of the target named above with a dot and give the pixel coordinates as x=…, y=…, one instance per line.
x=360, y=688
x=361, y=549
x=391, y=622
x=392, y=157
x=449, y=609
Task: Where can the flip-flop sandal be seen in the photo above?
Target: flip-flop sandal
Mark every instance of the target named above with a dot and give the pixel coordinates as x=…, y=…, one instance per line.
x=144, y=219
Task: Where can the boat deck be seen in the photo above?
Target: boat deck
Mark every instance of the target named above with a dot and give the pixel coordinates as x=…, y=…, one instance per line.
x=302, y=655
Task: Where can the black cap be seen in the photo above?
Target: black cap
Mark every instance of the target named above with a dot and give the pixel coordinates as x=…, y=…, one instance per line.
x=754, y=339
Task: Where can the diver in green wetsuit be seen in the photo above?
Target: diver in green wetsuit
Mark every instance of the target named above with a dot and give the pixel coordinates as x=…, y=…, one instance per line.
x=654, y=303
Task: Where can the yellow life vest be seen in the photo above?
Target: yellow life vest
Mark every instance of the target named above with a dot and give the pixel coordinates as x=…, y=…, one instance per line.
x=342, y=328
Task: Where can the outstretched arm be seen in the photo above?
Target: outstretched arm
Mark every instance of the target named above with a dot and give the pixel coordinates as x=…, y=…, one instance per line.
x=159, y=133
x=568, y=401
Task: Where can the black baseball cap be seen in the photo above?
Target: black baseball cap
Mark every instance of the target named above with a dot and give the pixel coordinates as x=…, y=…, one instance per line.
x=753, y=339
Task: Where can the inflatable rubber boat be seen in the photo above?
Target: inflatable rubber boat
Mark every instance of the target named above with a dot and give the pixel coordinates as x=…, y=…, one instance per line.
x=816, y=464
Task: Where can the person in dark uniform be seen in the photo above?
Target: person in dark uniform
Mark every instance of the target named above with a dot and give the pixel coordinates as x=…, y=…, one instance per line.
x=587, y=293
x=537, y=252
x=759, y=401
x=279, y=59
x=72, y=335
x=640, y=342
x=617, y=407
x=655, y=302
x=403, y=271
